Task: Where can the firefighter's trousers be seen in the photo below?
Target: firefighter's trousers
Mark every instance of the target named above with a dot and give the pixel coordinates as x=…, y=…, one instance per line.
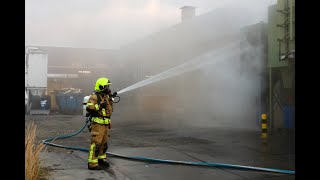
x=98, y=144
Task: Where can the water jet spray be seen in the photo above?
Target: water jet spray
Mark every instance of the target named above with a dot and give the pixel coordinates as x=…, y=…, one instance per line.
x=211, y=57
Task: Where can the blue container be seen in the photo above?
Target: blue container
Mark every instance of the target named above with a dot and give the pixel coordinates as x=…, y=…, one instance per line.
x=70, y=103
x=289, y=117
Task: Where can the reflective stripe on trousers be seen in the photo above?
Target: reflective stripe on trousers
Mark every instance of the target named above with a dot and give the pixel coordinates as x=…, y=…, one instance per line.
x=92, y=158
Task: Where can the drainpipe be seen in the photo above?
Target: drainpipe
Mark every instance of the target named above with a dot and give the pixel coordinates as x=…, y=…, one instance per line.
x=270, y=101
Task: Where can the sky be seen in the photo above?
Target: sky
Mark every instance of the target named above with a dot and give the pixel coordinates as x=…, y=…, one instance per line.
x=111, y=24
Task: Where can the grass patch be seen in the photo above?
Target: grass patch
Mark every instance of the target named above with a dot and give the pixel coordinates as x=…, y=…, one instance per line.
x=33, y=170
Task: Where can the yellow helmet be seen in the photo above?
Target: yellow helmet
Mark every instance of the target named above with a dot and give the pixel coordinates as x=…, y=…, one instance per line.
x=102, y=84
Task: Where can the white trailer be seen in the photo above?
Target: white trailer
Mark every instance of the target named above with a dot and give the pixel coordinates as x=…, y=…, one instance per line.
x=36, y=72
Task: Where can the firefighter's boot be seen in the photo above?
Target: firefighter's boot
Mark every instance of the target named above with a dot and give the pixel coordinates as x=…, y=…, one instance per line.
x=103, y=163
x=99, y=167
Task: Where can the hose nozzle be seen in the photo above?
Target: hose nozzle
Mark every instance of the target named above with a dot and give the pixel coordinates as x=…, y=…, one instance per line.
x=113, y=95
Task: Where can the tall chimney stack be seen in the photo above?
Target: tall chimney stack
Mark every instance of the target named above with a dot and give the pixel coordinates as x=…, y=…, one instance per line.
x=187, y=12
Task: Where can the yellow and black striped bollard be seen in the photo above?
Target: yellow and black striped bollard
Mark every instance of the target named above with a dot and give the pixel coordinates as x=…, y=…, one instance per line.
x=264, y=126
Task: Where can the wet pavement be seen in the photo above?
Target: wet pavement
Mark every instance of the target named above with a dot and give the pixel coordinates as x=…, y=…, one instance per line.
x=155, y=140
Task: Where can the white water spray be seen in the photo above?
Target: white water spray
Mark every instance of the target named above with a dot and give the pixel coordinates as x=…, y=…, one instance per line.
x=215, y=56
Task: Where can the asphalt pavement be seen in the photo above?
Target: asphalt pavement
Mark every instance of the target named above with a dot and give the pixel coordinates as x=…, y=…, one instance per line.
x=153, y=139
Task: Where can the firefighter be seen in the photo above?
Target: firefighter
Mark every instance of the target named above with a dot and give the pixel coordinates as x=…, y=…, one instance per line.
x=100, y=108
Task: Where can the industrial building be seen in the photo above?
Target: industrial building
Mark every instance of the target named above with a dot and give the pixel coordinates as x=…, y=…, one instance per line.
x=272, y=70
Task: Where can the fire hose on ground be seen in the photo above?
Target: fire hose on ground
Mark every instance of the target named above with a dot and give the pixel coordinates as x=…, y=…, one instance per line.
x=146, y=159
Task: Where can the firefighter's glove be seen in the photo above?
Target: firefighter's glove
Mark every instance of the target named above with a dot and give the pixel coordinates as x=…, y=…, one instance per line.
x=103, y=104
x=110, y=125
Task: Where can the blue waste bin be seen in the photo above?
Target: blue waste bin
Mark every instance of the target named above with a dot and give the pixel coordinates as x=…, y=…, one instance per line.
x=70, y=103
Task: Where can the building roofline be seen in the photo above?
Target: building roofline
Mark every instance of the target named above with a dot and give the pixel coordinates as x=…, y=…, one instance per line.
x=187, y=7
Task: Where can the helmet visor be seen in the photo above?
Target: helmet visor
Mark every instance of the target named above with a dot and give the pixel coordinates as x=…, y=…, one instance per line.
x=106, y=89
